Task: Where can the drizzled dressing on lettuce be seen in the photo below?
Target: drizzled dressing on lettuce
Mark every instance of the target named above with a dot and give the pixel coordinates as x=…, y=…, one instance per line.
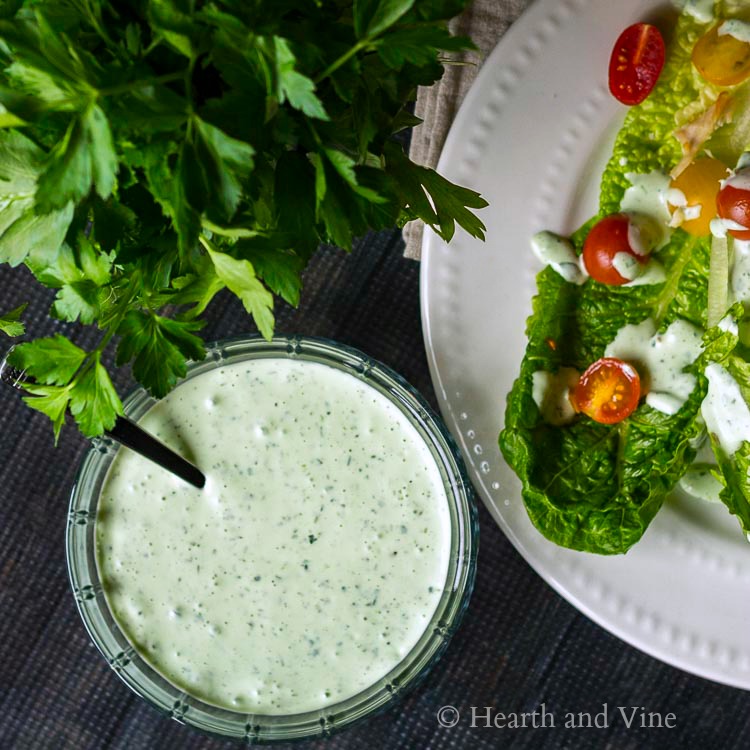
x=596, y=487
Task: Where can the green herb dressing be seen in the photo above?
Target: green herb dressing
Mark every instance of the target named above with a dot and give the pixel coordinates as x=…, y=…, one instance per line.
x=551, y=393
x=647, y=197
x=740, y=282
x=724, y=410
x=701, y=10
x=740, y=30
x=660, y=359
x=558, y=253
x=309, y=565
x=740, y=278
x=626, y=265
x=699, y=482
x=651, y=273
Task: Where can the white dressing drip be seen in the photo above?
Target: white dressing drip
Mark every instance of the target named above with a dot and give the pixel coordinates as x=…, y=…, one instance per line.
x=739, y=284
x=559, y=254
x=739, y=179
x=740, y=274
x=660, y=359
x=699, y=482
x=675, y=197
x=647, y=197
x=720, y=227
x=627, y=266
x=740, y=30
x=724, y=410
x=652, y=273
x=701, y=10
x=551, y=391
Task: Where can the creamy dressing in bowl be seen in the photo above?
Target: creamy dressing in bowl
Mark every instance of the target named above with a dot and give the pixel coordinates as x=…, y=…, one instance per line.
x=309, y=564
x=317, y=576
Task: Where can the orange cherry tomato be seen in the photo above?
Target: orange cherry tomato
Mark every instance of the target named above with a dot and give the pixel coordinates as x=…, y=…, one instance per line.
x=636, y=63
x=608, y=391
x=606, y=240
x=721, y=58
x=700, y=184
x=733, y=203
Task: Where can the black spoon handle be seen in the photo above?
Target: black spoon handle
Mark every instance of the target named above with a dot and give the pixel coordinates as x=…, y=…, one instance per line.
x=128, y=434
x=137, y=439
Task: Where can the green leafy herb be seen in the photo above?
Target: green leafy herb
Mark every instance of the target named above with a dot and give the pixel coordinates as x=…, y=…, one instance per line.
x=62, y=376
x=52, y=361
x=83, y=159
x=239, y=276
x=10, y=322
x=154, y=154
x=158, y=348
x=24, y=232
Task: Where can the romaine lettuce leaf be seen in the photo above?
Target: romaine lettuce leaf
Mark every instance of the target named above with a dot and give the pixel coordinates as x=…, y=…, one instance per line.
x=735, y=476
x=733, y=138
x=596, y=487
x=723, y=346
x=645, y=142
x=589, y=486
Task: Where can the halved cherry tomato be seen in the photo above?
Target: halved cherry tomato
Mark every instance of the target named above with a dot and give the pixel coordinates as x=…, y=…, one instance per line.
x=607, y=239
x=636, y=63
x=608, y=391
x=733, y=203
x=721, y=58
x=700, y=184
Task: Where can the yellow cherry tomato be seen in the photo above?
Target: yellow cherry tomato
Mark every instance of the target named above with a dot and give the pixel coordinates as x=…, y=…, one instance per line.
x=721, y=58
x=700, y=184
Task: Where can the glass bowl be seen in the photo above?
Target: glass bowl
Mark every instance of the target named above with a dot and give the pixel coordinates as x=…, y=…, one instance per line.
x=150, y=685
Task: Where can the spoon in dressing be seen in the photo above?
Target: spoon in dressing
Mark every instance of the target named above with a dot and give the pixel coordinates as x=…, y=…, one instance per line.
x=127, y=433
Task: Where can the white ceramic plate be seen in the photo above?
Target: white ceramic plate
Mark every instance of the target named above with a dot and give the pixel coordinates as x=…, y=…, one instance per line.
x=532, y=137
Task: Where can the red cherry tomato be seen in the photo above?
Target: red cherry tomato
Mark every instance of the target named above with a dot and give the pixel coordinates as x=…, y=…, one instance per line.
x=636, y=63
x=733, y=203
x=607, y=239
x=608, y=391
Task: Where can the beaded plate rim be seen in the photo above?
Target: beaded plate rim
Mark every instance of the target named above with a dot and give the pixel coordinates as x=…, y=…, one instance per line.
x=518, y=69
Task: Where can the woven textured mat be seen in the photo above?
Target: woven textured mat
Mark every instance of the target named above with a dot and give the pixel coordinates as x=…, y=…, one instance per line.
x=520, y=644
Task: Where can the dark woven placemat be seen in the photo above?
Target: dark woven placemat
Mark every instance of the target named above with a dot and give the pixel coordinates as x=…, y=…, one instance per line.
x=520, y=645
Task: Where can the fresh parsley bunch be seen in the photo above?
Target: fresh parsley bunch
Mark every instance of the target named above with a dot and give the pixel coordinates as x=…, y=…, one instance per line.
x=155, y=152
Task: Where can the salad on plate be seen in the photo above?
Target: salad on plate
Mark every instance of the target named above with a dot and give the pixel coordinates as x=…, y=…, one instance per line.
x=636, y=375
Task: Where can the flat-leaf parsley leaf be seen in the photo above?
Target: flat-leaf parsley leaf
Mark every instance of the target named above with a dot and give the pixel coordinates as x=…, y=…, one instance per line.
x=155, y=154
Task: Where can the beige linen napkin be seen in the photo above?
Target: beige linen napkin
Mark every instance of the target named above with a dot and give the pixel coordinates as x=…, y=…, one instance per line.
x=485, y=21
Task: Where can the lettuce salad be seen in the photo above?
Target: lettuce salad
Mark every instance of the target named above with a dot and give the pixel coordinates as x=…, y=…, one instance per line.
x=596, y=487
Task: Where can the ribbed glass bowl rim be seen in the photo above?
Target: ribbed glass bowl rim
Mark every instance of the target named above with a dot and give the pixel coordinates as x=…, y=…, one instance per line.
x=261, y=729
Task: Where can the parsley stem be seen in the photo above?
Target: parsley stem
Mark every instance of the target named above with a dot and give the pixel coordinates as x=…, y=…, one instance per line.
x=336, y=64
x=206, y=243
x=89, y=361
x=188, y=78
x=122, y=306
x=123, y=88
x=235, y=232
x=102, y=32
x=151, y=47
